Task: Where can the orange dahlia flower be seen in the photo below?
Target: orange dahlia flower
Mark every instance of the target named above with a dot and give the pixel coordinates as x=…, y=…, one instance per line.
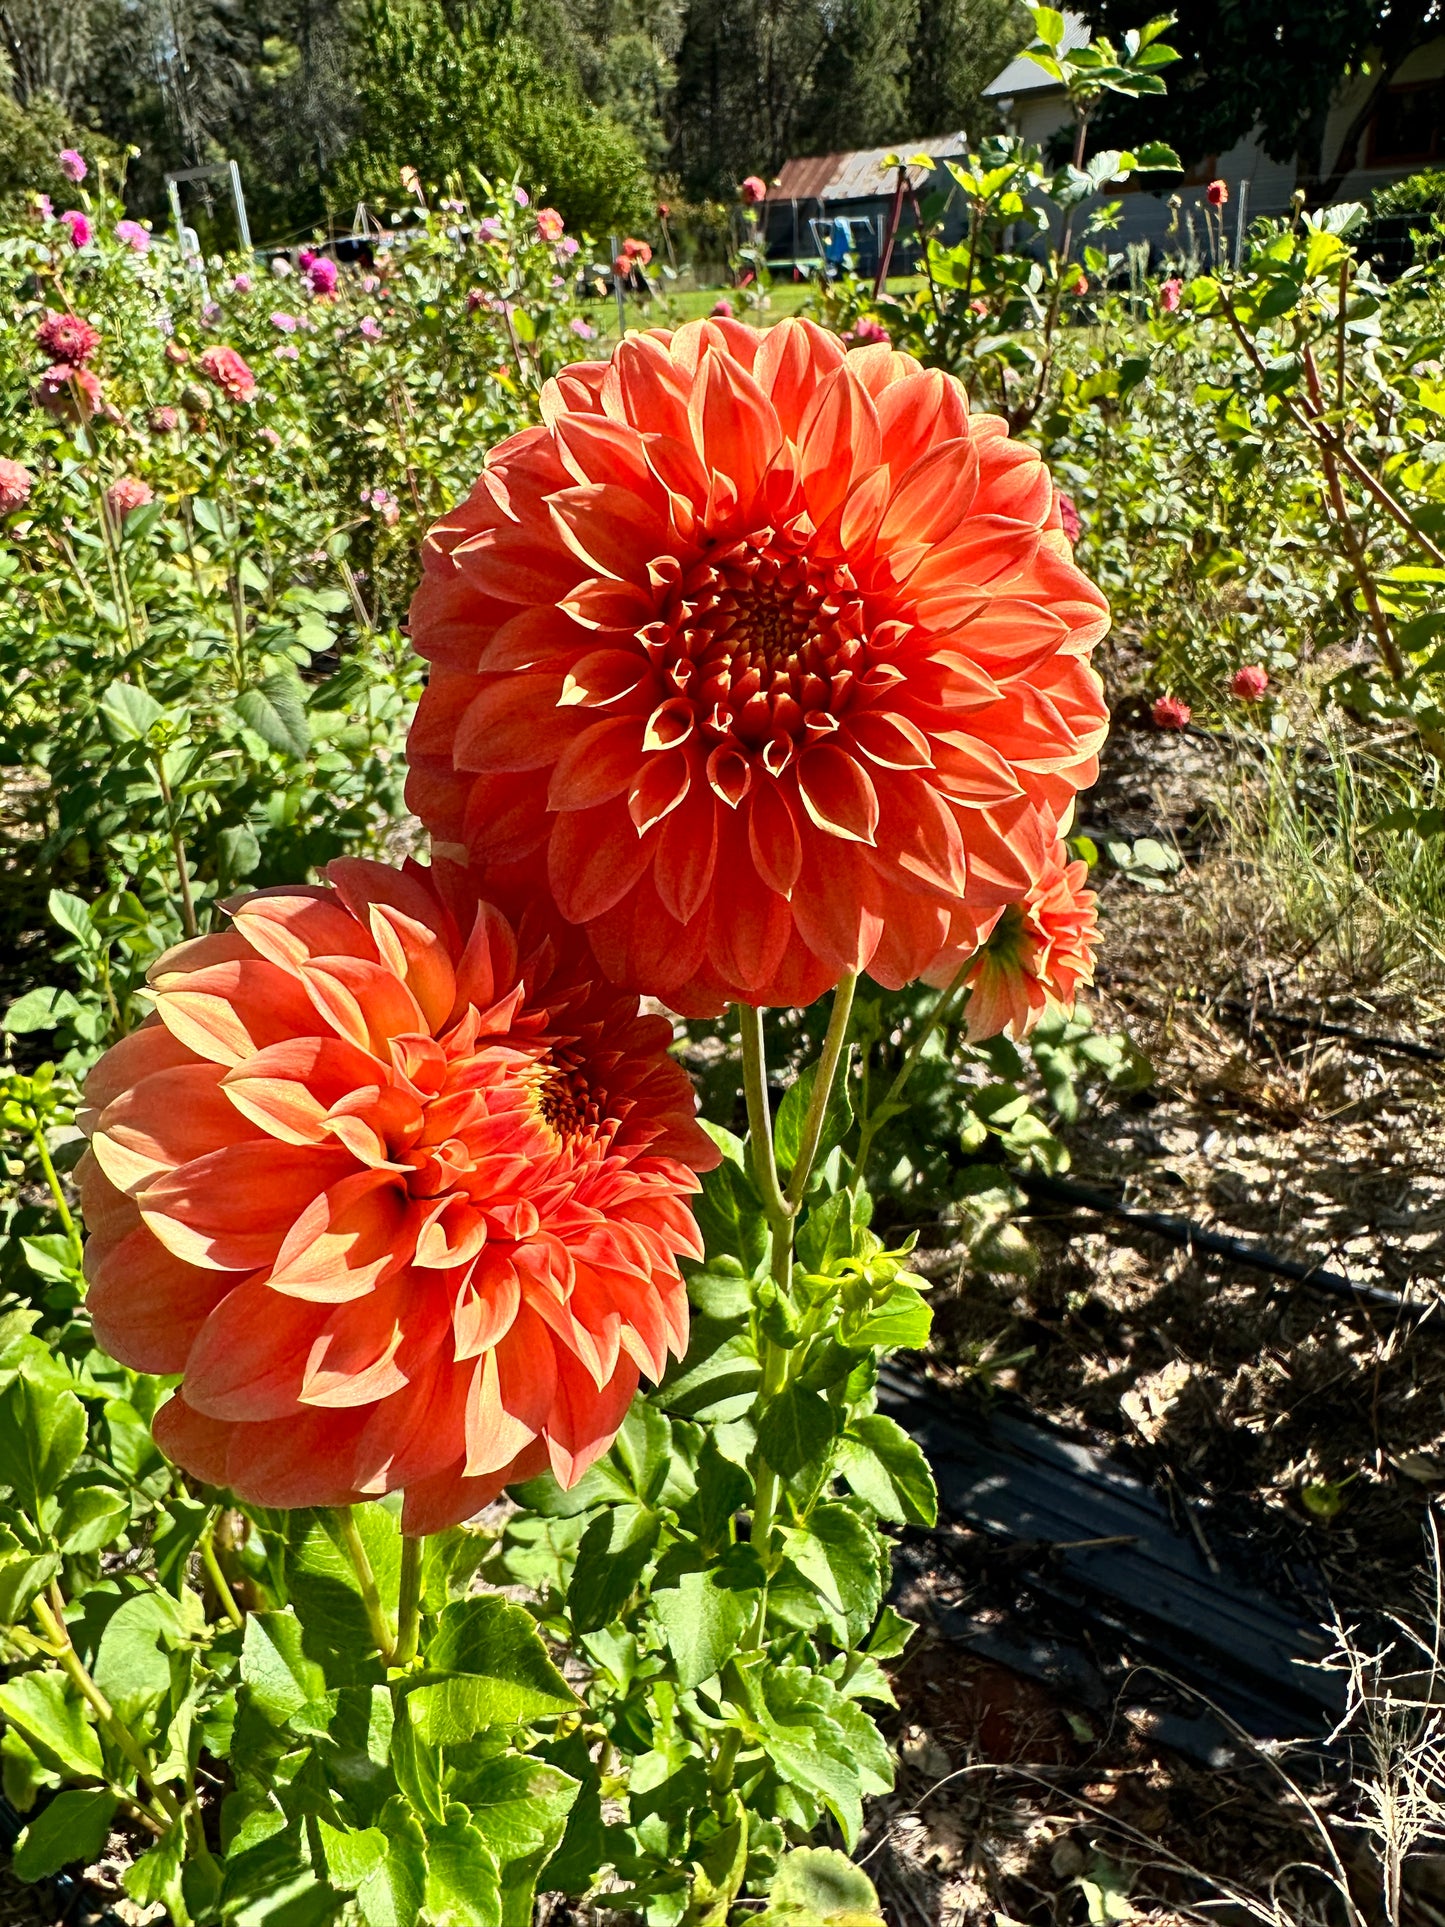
x=398, y=1188
x=1031, y=954
x=767, y=650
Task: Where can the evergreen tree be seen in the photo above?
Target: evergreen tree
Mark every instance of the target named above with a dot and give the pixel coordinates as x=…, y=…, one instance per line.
x=958, y=47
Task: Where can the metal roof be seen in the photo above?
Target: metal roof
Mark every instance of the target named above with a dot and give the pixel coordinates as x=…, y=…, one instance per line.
x=859, y=176
x=1023, y=76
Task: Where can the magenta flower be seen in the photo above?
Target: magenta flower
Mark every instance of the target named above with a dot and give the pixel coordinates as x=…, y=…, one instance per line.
x=322, y=276
x=305, y=258
x=490, y=229
x=285, y=322
x=79, y=227
x=370, y=328
x=288, y=351
x=521, y=196
x=241, y=283
x=72, y=165
x=1170, y=295
x=135, y=237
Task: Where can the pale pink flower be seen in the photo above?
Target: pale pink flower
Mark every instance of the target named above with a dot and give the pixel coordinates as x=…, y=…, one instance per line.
x=550, y=225
x=126, y=495
x=1170, y=295
x=285, y=322
x=287, y=351
x=164, y=421
x=370, y=328
x=866, y=331
x=722, y=307
x=241, y=283
x=135, y=237
x=15, y=485
x=582, y=329
x=72, y=165
x=521, y=196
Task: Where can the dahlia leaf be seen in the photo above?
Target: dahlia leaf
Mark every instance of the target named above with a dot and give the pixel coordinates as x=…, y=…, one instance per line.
x=421, y=1729
x=23, y=1574
x=820, y=1887
x=888, y=1471
x=611, y=1559
x=91, y=1517
x=723, y=1489
x=351, y=1856
x=793, y=1111
x=796, y=1429
x=132, y=1662
x=643, y=1447
x=51, y=1717
x=497, y=1646
x=275, y=708
x=901, y=1323
x=278, y=1675
x=462, y=1888
x=75, y=1826
x=730, y=1217
x=519, y=1805
x=703, y=1618
x=42, y=1434
x=835, y=1550
x=719, y=1377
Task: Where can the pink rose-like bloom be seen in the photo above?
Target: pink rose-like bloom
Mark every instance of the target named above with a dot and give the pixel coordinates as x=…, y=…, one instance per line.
x=568, y=245
x=285, y=322
x=722, y=307
x=369, y=284
x=123, y=497
x=384, y=504
x=305, y=258
x=370, y=328
x=582, y=329
x=754, y=189
x=490, y=228
x=1170, y=295
x=287, y=351
x=67, y=337
x=322, y=276
x=1069, y=517
x=229, y=372
x=15, y=484
x=164, y=421
x=68, y=393
x=176, y=353
x=1169, y=713
x=867, y=330
x=521, y=197
x=134, y=236
x=1249, y=682
x=241, y=283
x=1217, y=193
x=79, y=227
x=549, y=224
x=72, y=165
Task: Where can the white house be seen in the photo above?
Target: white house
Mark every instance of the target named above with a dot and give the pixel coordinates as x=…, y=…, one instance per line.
x=1406, y=133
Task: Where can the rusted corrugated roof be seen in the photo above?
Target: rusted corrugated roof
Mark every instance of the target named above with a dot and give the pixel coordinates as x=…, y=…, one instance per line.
x=859, y=176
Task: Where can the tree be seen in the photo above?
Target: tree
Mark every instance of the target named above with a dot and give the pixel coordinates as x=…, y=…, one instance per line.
x=958, y=47
x=1272, y=64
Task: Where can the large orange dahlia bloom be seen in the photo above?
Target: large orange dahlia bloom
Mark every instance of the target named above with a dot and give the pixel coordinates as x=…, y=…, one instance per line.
x=398, y=1188
x=768, y=650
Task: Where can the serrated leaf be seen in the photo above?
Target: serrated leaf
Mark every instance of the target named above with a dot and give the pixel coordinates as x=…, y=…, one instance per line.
x=793, y=1111
x=278, y=1676
x=44, y=1708
x=39, y=1009
x=275, y=709
x=611, y=1559
x=497, y=1644
x=796, y=1429
x=887, y=1469
x=42, y=1434
x=703, y=1619
x=74, y=1827
x=836, y=1552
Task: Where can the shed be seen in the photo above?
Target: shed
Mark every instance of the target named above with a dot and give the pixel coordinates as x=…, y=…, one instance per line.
x=856, y=187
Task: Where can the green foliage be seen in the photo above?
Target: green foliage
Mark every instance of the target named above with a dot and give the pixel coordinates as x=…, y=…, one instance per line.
x=441, y=92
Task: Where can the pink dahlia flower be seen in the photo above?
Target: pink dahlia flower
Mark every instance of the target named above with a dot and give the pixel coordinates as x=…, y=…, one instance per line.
x=1169, y=713
x=15, y=485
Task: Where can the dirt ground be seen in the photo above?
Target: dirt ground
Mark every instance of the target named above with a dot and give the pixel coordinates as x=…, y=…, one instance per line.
x=1307, y=1433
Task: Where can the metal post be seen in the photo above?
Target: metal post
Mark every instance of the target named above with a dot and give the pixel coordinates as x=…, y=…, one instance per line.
x=1242, y=206
x=240, y=200
x=617, y=289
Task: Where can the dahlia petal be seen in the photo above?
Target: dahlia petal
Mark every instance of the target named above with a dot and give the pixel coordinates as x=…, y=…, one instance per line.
x=607, y=528
x=288, y=926
x=793, y=357
x=230, y=1210
x=249, y=1358
x=515, y=1388
x=687, y=855
x=596, y=765
x=652, y=388
x=734, y=428
x=932, y=499
x=109, y=1213
x=584, y=1421
x=513, y=724
x=837, y=907
x=505, y=818
x=890, y=739
x=164, y=1120
x=365, y=1003
x=288, y=1089
x=773, y=839
x=345, y=1239
x=515, y=569
x=449, y=1498
x=140, y=1054
x=972, y=770
x=837, y=439
x=302, y=1460
x=838, y=793
x=919, y=412
x=659, y=786
x=488, y=965
x=147, y=1306
x=419, y=1430
x=596, y=449
x=369, y=1349
x=197, y=1444
x=639, y=941
x=602, y=676
x=1013, y=481
x=487, y=1304
x=749, y=935
x=226, y=1012
x=593, y=859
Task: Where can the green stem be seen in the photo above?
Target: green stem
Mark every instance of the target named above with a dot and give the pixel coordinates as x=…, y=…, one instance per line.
x=408, y=1605
x=760, y=1123
x=62, y=1209
x=178, y=848
x=51, y=1614
x=874, y=1122
x=822, y=1091
x=366, y=1578
x=218, y=1578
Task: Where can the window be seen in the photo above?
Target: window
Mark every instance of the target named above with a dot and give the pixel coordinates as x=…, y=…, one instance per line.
x=1407, y=125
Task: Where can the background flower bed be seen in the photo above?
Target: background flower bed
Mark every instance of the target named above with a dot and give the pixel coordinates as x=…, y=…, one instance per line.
x=259, y=595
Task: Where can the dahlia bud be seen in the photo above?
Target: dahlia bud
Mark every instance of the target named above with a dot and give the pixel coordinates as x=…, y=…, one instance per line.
x=1217, y=193
x=1169, y=713
x=1249, y=682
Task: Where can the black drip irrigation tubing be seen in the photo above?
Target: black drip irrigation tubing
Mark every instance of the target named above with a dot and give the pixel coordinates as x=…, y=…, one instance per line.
x=1396, y=1046
x=1190, y=1236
